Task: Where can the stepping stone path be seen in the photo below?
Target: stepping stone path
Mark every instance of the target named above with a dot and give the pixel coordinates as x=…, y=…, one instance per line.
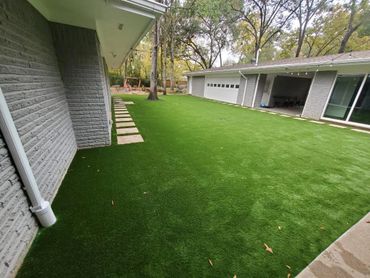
x=127, y=132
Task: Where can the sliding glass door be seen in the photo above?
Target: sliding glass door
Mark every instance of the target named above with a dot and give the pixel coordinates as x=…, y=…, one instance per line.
x=350, y=99
x=343, y=96
x=361, y=111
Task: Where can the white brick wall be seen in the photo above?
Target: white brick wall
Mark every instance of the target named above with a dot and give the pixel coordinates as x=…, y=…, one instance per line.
x=32, y=85
x=83, y=74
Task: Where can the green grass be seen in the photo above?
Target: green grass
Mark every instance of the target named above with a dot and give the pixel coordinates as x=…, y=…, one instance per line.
x=212, y=182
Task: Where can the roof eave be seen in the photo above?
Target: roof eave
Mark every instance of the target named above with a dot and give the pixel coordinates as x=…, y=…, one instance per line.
x=259, y=69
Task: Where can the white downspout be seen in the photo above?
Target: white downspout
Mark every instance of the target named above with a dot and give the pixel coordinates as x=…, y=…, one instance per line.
x=40, y=207
x=245, y=87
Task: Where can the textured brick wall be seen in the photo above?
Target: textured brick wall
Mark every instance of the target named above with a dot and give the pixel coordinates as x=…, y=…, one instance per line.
x=32, y=85
x=198, y=86
x=239, y=99
x=251, y=87
x=83, y=74
x=260, y=89
x=318, y=94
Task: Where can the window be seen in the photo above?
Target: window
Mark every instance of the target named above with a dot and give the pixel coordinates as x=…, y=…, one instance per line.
x=237, y=86
x=232, y=86
x=343, y=96
x=223, y=85
x=218, y=85
x=361, y=111
x=227, y=86
x=214, y=85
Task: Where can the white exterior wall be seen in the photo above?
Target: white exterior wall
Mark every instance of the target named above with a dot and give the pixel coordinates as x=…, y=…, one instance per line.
x=222, y=93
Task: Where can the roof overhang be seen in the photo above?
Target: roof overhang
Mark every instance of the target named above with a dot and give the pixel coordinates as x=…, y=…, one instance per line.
x=355, y=65
x=120, y=24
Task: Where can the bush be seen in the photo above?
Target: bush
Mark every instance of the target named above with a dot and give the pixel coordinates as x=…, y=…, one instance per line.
x=115, y=79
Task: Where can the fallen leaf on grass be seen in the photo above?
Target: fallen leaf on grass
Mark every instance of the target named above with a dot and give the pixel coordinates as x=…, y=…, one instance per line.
x=210, y=262
x=288, y=266
x=234, y=276
x=268, y=248
x=279, y=227
x=289, y=275
x=112, y=203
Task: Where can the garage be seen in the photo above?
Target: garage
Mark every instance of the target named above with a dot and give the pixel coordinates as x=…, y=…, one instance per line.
x=222, y=88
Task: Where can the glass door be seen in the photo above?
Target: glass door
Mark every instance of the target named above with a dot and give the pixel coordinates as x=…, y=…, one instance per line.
x=361, y=110
x=343, y=96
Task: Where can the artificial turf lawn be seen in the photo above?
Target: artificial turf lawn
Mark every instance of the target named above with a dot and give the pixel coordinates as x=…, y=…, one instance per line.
x=212, y=182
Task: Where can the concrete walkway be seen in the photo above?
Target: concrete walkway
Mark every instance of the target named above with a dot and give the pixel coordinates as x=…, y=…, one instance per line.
x=127, y=132
x=348, y=256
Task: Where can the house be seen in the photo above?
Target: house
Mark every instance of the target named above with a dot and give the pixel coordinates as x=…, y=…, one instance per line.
x=333, y=88
x=55, y=99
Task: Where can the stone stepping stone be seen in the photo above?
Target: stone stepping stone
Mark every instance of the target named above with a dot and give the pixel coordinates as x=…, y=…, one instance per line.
x=338, y=126
x=299, y=119
x=120, y=120
x=121, y=113
x=128, y=124
x=129, y=102
x=283, y=115
x=129, y=139
x=128, y=130
x=272, y=113
x=317, y=122
x=122, y=116
x=361, y=130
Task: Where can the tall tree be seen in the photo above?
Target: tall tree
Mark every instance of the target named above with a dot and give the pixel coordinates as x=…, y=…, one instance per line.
x=204, y=29
x=358, y=15
x=153, y=94
x=264, y=20
x=304, y=14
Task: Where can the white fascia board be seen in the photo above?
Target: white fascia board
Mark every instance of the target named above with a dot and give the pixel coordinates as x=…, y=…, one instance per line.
x=146, y=5
x=290, y=67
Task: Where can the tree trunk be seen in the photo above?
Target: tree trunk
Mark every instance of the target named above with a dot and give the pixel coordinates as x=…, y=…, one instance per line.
x=125, y=73
x=301, y=36
x=164, y=67
x=172, y=58
x=350, y=28
x=345, y=40
x=153, y=95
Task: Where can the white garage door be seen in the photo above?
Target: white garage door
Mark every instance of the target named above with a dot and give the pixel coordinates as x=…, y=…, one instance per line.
x=222, y=88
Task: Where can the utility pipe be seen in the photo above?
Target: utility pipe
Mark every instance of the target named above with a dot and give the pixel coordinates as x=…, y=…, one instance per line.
x=245, y=86
x=40, y=207
x=257, y=56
